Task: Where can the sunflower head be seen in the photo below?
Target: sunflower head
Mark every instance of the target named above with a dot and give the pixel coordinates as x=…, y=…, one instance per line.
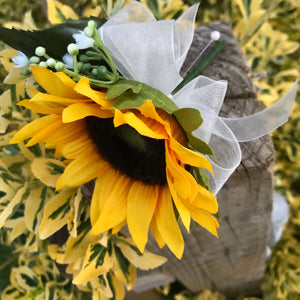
x=127, y=137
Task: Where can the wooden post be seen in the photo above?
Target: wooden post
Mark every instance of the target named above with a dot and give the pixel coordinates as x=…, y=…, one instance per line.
x=234, y=263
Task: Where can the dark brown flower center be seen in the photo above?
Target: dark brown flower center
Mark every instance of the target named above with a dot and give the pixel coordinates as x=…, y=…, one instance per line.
x=139, y=157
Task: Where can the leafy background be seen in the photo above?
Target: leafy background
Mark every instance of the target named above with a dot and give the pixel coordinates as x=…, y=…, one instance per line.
x=269, y=34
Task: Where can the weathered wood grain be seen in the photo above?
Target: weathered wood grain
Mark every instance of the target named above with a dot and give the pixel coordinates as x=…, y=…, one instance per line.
x=235, y=262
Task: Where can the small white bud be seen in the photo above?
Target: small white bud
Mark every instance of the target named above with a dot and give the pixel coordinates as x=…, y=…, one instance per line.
x=73, y=49
x=40, y=51
x=89, y=31
x=215, y=35
x=92, y=23
x=34, y=60
x=82, y=41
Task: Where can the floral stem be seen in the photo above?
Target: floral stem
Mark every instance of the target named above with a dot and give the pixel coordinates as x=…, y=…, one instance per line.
x=198, y=69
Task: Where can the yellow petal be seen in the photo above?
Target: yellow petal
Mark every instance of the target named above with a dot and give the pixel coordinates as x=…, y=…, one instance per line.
x=206, y=200
x=78, y=111
x=42, y=135
x=52, y=83
x=33, y=128
x=69, y=132
x=71, y=149
x=204, y=219
x=41, y=97
x=42, y=107
x=103, y=188
x=141, y=204
x=83, y=87
x=167, y=223
x=81, y=170
x=118, y=227
x=181, y=208
x=146, y=261
x=154, y=229
x=190, y=157
x=149, y=111
x=183, y=182
x=114, y=208
x=134, y=121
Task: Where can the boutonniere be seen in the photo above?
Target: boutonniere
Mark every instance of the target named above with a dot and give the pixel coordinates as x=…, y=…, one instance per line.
x=110, y=108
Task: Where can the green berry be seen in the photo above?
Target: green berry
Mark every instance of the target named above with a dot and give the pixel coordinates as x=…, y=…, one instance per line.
x=59, y=66
x=102, y=71
x=43, y=64
x=79, y=65
x=86, y=67
x=25, y=72
x=84, y=58
x=51, y=62
x=34, y=60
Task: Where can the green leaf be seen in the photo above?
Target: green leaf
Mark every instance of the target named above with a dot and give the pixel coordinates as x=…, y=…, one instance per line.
x=54, y=39
x=123, y=262
x=98, y=253
x=32, y=282
x=200, y=145
x=247, y=4
x=201, y=177
x=62, y=210
x=138, y=93
x=153, y=6
x=7, y=262
x=55, y=169
x=122, y=86
x=190, y=119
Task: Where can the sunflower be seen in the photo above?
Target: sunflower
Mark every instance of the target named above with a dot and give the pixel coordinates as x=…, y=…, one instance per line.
x=137, y=157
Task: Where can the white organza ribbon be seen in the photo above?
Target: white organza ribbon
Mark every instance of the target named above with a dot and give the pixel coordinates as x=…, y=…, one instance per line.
x=153, y=52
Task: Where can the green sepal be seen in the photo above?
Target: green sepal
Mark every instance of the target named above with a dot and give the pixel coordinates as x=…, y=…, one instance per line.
x=190, y=119
x=54, y=39
x=133, y=94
